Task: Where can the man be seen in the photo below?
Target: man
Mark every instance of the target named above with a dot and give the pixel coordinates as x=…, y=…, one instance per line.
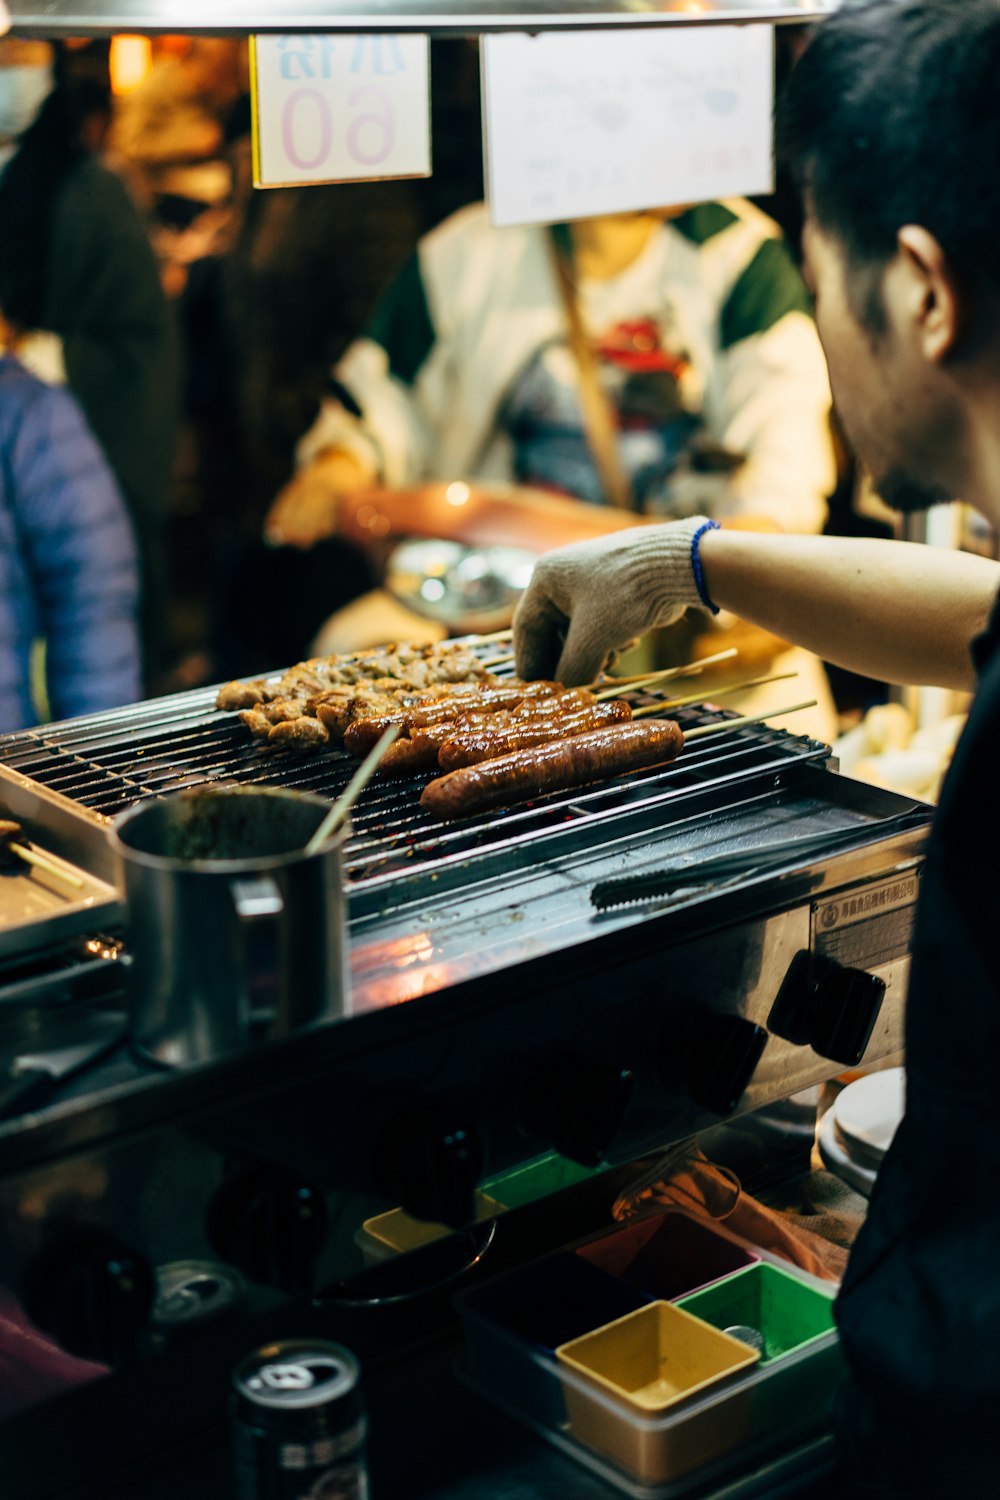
x=79, y=282
x=892, y=125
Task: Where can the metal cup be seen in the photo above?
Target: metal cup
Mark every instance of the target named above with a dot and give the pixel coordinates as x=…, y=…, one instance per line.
x=235, y=936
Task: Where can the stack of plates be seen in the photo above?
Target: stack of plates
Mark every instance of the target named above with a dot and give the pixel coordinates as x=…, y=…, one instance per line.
x=857, y=1130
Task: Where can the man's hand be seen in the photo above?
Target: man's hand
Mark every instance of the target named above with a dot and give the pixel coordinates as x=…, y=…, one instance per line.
x=306, y=510
x=587, y=601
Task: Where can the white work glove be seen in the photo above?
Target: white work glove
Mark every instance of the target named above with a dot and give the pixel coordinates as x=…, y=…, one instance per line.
x=586, y=601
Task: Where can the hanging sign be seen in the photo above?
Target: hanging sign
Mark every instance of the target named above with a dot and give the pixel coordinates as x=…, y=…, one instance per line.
x=584, y=123
x=339, y=108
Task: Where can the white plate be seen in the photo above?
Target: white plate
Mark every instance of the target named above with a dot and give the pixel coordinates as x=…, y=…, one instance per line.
x=838, y=1159
x=869, y=1111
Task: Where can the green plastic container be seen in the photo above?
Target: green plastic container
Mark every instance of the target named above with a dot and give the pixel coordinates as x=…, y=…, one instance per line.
x=786, y=1312
x=546, y=1174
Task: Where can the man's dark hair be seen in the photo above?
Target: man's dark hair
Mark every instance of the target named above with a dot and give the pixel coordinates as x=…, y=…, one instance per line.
x=892, y=117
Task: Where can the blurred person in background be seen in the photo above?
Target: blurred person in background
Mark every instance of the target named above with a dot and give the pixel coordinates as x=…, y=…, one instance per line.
x=263, y=316
x=665, y=362
x=170, y=129
x=172, y=138
x=80, y=287
x=700, y=334
x=69, y=574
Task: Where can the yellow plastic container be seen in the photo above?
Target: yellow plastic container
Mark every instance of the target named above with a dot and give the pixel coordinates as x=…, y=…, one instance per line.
x=394, y=1233
x=656, y=1356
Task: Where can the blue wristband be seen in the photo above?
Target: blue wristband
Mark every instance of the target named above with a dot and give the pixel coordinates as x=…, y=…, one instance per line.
x=699, y=577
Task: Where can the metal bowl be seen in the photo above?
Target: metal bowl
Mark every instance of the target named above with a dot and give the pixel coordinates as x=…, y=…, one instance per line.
x=467, y=588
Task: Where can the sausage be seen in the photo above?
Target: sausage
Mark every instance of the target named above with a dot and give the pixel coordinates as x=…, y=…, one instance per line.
x=467, y=747
x=474, y=737
x=554, y=767
x=365, y=731
x=408, y=757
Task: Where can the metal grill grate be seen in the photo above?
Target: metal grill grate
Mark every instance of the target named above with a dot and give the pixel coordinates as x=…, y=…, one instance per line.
x=109, y=761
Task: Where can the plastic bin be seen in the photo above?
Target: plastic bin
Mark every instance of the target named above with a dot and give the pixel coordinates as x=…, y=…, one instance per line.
x=669, y=1256
x=513, y=1325
x=786, y=1312
x=395, y=1232
x=655, y=1357
x=537, y=1179
x=761, y=1411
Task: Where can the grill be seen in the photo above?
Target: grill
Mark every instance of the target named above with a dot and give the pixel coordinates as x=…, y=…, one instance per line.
x=498, y=1011
x=480, y=907
x=107, y=762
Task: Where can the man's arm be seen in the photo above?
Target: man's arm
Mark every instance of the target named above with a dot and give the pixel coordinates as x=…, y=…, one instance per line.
x=897, y=611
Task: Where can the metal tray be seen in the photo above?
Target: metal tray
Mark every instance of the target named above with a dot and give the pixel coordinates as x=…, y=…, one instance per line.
x=41, y=908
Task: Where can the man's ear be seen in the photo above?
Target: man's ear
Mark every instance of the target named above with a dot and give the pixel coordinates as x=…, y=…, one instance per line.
x=928, y=293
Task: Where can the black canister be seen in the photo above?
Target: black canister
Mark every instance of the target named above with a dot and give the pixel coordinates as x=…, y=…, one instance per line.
x=300, y=1423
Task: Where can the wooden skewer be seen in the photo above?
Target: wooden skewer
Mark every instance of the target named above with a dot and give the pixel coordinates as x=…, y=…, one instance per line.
x=658, y=708
x=338, y=812
x=42, y=863
x=498, y=635
x=497, y=661
x=703, y=729
x=690, y=669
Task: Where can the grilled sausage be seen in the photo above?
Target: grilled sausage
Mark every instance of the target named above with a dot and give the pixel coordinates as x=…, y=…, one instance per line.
x=467, y=747
x=553, y=767
x=474, y=737
x=408, y=757
x=364, y=732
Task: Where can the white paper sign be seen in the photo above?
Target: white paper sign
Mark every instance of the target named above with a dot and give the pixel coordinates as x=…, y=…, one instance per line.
x=584, y=123
x=340, y=108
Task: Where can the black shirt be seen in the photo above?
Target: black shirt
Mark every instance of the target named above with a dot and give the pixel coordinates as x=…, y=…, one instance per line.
x=919, y=1310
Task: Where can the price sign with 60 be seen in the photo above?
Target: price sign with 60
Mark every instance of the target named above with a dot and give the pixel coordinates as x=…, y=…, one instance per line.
x=339, y=108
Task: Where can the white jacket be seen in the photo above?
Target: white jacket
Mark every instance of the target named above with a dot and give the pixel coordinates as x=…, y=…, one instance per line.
x=466, y=315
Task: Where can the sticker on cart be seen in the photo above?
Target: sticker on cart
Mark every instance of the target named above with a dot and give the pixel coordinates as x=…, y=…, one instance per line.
x=339, y=108
x=585, y=123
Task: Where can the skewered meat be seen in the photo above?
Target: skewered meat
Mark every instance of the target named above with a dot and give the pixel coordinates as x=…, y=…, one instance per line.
x=473, y=737
x=257, y=722
x=299, y=732
x=556, y=766
x=413, y=666
x=361, y=735
x=467, y=747
x=340, y=708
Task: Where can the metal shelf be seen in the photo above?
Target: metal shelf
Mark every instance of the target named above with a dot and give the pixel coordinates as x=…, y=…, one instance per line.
x=58, y=18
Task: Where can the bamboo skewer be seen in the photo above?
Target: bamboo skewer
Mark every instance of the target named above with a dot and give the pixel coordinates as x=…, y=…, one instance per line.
x=658, y=708
x=703, y=729
x=497, y=635
x=635, y=684
x=338, y=812
x=40, y=862
x=611, y=686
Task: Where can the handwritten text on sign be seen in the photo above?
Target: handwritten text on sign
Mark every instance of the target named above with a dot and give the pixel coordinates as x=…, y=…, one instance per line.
x=584, y=123
x=340, y=108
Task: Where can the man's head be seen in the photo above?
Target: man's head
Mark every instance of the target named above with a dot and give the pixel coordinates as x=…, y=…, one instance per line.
x=890, y=123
